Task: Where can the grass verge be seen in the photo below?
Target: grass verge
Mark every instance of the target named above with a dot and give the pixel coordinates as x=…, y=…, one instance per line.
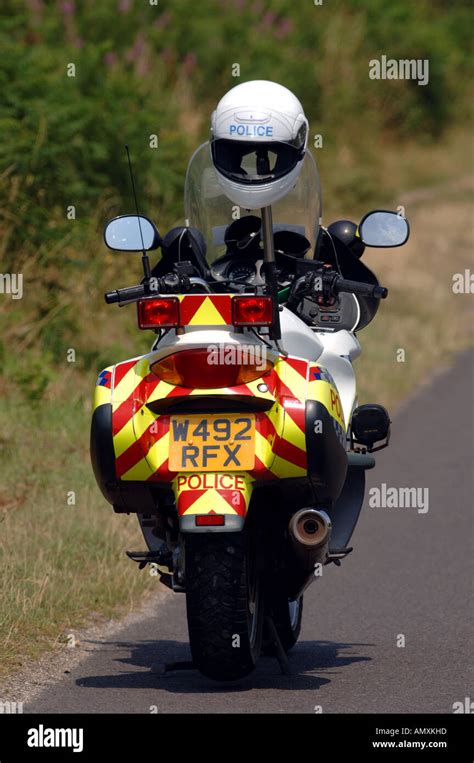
x=61, y=550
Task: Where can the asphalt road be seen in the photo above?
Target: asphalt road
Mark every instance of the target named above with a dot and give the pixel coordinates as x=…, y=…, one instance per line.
x=410, y=576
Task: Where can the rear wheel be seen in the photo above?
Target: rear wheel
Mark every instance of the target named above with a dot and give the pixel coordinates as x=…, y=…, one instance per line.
x=224, y=603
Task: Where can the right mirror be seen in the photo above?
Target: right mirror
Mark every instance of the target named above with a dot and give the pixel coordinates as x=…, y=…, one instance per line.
x=383, y=228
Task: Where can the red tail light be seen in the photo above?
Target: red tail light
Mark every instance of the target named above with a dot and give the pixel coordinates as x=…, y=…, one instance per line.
x=201, y=369
x=210, y=520
x=252, y=311
x=158, y=313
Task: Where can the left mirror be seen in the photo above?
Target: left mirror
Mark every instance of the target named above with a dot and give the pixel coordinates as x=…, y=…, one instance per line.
x=131, y=233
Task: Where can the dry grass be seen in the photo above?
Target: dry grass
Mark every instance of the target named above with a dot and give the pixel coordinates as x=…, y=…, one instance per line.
x=422, y=315
x=60, y=561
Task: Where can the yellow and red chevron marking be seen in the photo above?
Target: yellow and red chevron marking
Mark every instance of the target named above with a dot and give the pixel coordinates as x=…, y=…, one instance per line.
x=286, y=424
x=290, y=450
x=213, y=493
x=124, y=378
x=133, y=383
x=206, y=310
x=292, y=376
x=141, y=437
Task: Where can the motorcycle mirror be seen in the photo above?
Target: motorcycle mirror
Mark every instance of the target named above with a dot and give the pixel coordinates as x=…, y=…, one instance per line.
x=383, y=228
x=131, y=233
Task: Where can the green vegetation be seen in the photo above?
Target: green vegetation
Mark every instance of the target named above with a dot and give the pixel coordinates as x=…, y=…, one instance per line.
x=143, y=70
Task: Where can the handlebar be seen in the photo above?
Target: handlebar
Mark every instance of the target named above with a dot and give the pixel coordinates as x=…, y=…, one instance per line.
x=328, y=283
x=356, y=287
x=168, y=284
x=129, y=294
x=332, y=283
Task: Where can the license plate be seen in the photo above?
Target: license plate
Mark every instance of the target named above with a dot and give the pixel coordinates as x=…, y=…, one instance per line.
x=212, y=443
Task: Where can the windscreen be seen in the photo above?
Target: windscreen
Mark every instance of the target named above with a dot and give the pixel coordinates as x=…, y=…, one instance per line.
x=209, y=210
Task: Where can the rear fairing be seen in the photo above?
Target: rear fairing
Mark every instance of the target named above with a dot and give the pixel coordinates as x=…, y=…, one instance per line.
x=300, y=434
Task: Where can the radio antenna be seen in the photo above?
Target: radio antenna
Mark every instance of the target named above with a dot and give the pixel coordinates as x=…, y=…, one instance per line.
x=145, y=260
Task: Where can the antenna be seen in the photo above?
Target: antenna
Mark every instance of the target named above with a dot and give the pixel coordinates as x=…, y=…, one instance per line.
x=145, y=260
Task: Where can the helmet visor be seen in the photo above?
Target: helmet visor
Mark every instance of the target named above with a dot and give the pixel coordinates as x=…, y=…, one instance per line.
x=254, y=163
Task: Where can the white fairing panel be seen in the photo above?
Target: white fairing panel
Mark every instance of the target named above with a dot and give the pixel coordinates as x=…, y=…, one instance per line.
x=341, y=348
x=340, y=343
x=297, y=338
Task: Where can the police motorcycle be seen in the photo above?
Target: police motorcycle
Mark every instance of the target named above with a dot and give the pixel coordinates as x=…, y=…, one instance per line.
x=238, y=440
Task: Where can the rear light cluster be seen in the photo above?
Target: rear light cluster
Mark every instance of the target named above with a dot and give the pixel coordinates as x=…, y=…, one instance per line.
x=164, y=312
x=195, y=369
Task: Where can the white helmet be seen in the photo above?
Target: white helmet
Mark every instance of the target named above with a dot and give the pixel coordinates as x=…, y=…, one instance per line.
x=258, y=143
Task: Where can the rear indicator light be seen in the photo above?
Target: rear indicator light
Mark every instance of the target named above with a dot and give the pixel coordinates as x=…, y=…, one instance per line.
x=198, y=369
x=158, y=313
x=252, y=311
x=210, y=520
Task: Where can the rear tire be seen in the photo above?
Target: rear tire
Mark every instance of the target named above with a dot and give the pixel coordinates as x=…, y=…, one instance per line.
x=224, y=603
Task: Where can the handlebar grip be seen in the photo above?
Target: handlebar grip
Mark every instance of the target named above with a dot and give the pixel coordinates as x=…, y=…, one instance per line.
x=362, y=289
x=125, y=295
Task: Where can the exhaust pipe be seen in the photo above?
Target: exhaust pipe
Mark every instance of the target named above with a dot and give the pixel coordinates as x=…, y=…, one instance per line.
x=310, y=532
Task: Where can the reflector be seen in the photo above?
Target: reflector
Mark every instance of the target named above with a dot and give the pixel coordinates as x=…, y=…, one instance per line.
x=206, y=520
